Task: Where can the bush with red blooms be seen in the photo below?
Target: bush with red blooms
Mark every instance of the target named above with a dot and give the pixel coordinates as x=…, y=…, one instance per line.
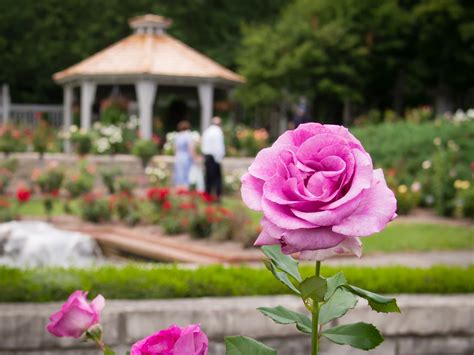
x=95, y=208
x=126, y=208
x=49, y=182
x=23, y=194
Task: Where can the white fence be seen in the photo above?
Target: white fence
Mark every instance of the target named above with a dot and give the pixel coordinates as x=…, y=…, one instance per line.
x=27, y=114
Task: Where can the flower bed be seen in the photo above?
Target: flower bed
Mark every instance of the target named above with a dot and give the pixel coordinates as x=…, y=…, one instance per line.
x=137, y=281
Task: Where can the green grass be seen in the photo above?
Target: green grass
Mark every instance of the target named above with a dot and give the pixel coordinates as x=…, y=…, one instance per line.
x=420, y=237
x=137, y=281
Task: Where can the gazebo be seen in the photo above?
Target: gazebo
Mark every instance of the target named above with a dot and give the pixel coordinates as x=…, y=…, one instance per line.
x=146, y=59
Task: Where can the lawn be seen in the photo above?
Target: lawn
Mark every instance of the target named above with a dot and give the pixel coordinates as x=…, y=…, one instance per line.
x=397, y=237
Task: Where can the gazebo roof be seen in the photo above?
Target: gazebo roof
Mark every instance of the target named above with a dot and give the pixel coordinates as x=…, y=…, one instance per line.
x=149, y=53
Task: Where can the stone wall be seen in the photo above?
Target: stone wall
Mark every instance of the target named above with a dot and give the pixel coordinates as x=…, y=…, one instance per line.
x=428, y=324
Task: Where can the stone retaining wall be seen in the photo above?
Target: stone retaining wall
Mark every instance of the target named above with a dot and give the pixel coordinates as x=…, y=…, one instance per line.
x=428, y=324
x=129, y=164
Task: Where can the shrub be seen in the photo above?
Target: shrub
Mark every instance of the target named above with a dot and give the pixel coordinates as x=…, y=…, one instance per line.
x=145, y=149
x=43, y=137
x=108, y=178
x=81, y=141
x=126, y=208
x=7, y=212
x=125, y=185
x=50, y=179
x=406, y=145
x=407, y=199
x=13, y=139
x=161, y=282
x=464, y=198
x=5, y=179
x=95, y=209
x=80, y=182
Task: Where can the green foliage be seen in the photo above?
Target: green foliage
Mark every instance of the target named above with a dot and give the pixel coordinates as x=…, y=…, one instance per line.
x=43, y=137
x=376, y=302
x=313, y=287
x=240, y=345
x=62, y=38
x=12, y=139
x=375, y=53
x=95, y=209
x=405, y=145
x=145, y=149
x=282, y=315
x=158, y=282
x=358, y=335
x=81, y=141
x=108, y=178
x=50, y=179
x=336, y=306
x=113, y=115
x=281, y=261
x=80, y=182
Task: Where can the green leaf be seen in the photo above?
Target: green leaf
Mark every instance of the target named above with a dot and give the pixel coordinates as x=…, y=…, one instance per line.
x=314, y=287
x=240, y=345
x=338, y=305
x=333, y=283
x=376, y=302
x=282, y=315
x=108, y=351
x=281, y=276
x=358, y=335
x=283, y=262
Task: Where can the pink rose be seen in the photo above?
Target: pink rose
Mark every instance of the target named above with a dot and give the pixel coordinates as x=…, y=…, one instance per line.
x=173, y=341
x=76, y=316
x=318, y=192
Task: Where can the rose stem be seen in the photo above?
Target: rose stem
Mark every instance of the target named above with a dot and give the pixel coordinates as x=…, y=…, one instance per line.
x=315, y=323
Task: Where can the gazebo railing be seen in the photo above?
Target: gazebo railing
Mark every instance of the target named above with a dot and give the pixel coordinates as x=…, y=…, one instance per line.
x=28, y=114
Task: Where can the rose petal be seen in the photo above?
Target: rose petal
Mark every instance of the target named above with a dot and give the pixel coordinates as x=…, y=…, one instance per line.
x=362, y=179
x=282, y=216
x=376, y=208
x=347, y=246
x=251, y=191
x=309, y=239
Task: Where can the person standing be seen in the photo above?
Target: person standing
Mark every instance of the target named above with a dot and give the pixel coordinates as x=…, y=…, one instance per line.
x=213, y=149
x=184, y=155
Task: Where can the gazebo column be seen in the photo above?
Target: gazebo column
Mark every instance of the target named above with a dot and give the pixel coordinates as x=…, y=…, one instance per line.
x=87, y=99
x=146, y=92
x=206, y=100
x=67, y=114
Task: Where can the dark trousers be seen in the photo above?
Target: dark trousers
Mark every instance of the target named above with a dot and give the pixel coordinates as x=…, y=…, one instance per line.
x=213, y=176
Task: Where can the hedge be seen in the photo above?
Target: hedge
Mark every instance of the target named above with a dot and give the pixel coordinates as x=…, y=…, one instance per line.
x=136, y=281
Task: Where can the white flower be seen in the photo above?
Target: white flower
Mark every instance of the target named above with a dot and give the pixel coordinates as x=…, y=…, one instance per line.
x=97, y=125
x=437, y=141
x=426, y=164
x=102, y=145
x=73, y=129
x=470, y=113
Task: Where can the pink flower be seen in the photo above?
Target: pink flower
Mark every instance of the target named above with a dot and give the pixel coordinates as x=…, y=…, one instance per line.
x=173, y=341
x=318, y=192
x=76, y=316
